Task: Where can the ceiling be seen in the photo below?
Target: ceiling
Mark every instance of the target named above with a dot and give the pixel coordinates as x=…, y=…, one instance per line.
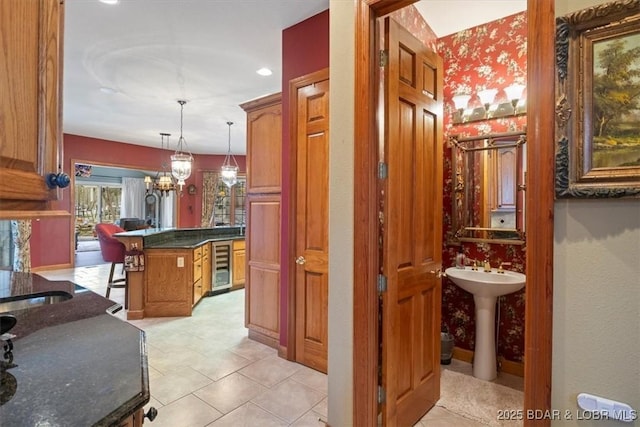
x=126, y=65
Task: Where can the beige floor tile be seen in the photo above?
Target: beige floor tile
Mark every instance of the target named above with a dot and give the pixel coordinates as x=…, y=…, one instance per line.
x=440, y=417
x=322, y=408
x=253, y=350
x=219, y=365
x=177, y=384
x=270, y=371
x=311, y=378
x=230, y=392
x=310, y=419
x=288, y=400
x=188, y=411
x=249, y=415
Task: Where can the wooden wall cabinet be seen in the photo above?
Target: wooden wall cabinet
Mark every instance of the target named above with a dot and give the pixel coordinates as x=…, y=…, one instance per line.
x=238, y=264
x=264, y=188
x=31, y=45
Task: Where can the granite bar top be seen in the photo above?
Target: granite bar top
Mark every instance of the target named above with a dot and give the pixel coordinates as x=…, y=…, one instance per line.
x=72, y=363
x=183, y=238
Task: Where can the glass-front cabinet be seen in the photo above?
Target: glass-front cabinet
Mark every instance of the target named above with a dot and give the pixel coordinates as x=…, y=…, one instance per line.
x=223, y=206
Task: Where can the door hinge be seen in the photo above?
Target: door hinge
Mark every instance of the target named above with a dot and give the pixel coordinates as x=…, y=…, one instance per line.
x=382, y=283
x=382, y=170
x=381, y=394
x=384, y=58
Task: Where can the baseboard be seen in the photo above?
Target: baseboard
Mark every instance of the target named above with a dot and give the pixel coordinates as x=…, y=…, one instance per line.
x=50, y=267
x=266, y=340
x=504, y=365
x=282, y=351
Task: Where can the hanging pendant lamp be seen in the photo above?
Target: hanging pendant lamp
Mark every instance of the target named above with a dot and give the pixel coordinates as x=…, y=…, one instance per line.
x=229, y=172
x=180, y=161
x=162, y=183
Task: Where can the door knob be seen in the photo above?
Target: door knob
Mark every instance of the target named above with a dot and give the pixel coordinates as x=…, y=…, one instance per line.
x=300, y=260
x=439, y=274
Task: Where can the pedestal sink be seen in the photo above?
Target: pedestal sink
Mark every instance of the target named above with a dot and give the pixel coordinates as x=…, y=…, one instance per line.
x=486, y=287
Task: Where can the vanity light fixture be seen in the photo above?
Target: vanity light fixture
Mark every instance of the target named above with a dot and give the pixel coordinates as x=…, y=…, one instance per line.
x=486, y=97
x=493, y=104
x=180, y=161
x=229, y=172
x=164, y=183
x=461, y=102
x=514, y=94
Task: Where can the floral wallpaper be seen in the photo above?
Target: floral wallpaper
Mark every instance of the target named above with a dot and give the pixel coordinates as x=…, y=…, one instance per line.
x=493, y=55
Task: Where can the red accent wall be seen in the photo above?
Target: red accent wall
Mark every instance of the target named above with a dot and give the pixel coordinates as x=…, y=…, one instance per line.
x=305, y=49
x=51, y=238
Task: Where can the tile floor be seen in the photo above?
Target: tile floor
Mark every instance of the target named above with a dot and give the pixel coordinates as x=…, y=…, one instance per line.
x=204, y=371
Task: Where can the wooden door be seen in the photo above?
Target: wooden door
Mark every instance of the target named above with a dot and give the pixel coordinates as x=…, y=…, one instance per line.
x=312, y=220
x=412, y=228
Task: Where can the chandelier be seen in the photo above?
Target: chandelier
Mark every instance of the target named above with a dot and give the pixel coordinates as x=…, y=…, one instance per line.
x=180, y=161
x=229, y=172
x=164, y=183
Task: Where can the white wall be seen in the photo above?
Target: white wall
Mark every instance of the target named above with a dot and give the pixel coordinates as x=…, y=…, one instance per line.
x=341, y=189
x=596, y=299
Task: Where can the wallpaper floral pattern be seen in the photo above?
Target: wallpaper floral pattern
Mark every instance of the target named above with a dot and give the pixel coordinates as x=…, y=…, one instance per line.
x=493, y=55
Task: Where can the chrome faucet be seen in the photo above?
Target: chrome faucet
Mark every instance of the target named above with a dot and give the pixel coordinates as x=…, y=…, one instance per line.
x=487, y=266
x=474, y=264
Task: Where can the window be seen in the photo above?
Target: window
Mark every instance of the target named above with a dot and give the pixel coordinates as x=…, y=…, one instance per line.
x=96, y=203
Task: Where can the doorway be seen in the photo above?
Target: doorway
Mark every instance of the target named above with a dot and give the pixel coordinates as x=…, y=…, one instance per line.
x=539, y=270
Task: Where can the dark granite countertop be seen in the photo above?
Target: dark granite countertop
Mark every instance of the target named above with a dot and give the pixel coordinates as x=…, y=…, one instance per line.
x=183, y=238
x=72, y=363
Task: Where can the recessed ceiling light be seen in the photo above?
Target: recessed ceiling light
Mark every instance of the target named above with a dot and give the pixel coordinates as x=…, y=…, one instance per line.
x=264, y=72
x=109, y=1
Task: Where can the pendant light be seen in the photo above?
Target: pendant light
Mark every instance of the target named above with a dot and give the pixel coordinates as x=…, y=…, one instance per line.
x=162, y=183
x=229, y=172
x=180, y=161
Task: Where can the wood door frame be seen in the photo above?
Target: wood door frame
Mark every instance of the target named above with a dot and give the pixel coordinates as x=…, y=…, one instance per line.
x=290, y=264
x=539, y=257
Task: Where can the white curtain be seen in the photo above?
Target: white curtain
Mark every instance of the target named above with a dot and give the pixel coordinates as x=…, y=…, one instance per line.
x=133, y=192
x=167, y=209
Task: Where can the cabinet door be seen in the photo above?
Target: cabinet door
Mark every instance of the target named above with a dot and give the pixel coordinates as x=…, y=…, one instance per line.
x=264, y=144
x=168, y=282
x=31, y=87
x=197, y=275
x=206, y=268
x=239, y=260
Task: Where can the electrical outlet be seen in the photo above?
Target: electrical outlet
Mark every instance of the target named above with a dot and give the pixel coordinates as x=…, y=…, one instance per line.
x=180, y=261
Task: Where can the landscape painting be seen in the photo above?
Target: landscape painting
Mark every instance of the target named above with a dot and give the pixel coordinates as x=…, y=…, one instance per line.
x=616, y=102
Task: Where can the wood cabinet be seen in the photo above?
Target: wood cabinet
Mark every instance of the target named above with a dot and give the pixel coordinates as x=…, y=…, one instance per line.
x=174, y=280
x=238, y=264
x=264, y=187
x=31, y=108
x=197, y=275
x=206, y=268
x=134, y=420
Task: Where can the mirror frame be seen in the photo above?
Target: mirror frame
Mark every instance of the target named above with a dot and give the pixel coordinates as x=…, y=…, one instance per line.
x=462, y=231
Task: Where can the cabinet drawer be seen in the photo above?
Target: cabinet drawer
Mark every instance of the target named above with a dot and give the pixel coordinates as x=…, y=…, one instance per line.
x=197, y=270
x=238, y=245
x=197, y=253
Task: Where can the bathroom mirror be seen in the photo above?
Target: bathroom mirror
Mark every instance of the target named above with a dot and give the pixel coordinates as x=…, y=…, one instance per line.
x=488, y=188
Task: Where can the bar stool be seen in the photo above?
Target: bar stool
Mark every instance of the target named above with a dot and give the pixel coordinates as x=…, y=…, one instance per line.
x=112, y=251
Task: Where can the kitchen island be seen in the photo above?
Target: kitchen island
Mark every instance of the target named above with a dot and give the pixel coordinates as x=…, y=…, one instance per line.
x=180, y=267
x=68, y=361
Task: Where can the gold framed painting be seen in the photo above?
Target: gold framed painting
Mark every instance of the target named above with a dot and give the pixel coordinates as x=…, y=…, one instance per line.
x=598, y=102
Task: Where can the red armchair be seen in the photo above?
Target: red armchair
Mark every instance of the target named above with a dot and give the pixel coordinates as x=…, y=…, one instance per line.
x=112, y=251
